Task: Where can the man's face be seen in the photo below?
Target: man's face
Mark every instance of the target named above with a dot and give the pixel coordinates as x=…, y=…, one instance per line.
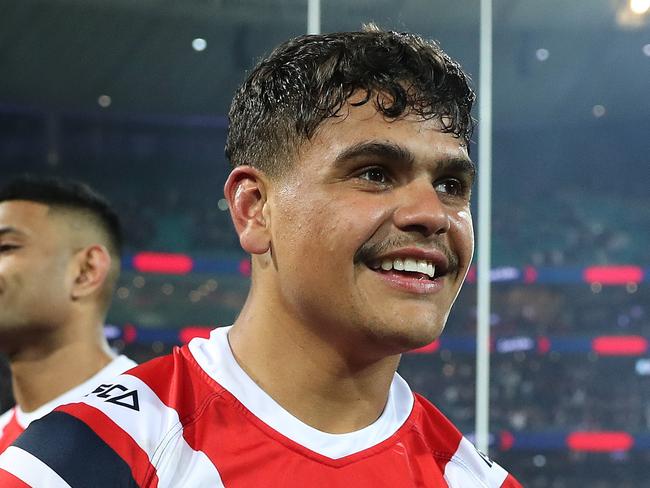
x=34, y=270
x=371, y=230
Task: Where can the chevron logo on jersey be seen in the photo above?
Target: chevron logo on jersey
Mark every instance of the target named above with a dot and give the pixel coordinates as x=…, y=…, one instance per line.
x=115, y=393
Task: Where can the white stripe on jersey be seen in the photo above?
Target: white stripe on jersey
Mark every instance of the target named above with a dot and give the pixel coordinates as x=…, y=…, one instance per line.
x=30, y=469
x=157, y=429
x=468, y=468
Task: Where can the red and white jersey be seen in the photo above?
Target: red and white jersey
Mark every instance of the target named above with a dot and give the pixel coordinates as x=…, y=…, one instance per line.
x=14, y=421
x=196, y=419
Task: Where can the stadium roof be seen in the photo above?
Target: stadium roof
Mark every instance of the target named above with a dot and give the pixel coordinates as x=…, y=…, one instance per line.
x=564, y=62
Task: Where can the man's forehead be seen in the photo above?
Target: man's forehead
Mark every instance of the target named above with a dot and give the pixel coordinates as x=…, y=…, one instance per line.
x=23, y=209
x=28, y=217
x=24, y=218
x=367, y=115
x=43, y=225
x=364, y=123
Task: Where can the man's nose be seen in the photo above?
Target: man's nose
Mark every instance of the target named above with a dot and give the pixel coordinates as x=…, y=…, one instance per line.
x=421, y=210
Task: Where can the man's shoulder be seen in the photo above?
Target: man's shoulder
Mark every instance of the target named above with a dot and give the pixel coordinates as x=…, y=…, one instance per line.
x=126, y=429
x=461, y=462
x=436, y=426
x=162, y=387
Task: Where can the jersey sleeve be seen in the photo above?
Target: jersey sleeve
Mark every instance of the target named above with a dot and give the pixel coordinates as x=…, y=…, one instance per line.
x=127, y=432
x=462, y=464
x=61, y=451
x=108, y=438
x=470, y=467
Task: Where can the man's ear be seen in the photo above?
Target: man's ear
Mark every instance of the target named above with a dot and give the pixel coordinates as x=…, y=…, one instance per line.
x=91, y=267
x=246, y=193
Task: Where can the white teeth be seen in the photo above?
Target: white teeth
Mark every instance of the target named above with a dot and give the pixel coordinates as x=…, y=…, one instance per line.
x=408, y=264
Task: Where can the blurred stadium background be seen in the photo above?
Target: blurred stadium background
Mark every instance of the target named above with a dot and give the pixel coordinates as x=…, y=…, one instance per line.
x=132, y=97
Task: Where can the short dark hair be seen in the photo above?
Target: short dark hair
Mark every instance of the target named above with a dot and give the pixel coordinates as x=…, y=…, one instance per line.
x=67, y=194
x=309, y=79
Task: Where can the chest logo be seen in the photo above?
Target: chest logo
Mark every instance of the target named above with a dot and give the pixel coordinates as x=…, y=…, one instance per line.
x=119, y=395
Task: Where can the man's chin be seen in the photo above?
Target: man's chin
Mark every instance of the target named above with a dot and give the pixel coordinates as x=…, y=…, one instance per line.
x=420, y=341
x=399, y=340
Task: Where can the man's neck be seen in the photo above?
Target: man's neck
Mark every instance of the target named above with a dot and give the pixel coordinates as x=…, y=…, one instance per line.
x=41, y=374
x=310, y=378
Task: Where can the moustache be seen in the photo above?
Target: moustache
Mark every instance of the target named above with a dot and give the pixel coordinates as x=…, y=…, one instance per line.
x=370, y=251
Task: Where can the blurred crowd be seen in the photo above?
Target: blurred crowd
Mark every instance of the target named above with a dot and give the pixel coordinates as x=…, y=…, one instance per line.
x=533, y=393
x=571, y=227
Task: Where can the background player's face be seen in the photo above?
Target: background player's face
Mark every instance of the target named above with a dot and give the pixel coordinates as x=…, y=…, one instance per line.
x=35, y=256
x=362, y=193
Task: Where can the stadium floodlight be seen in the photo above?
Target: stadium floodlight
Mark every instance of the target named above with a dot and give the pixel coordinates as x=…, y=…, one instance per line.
x=199, y=44
x=639, y=7
x=104, y=101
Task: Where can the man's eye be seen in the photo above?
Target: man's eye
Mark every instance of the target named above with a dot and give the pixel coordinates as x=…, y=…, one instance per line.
x=377, y=175
x=451, y=186
x=7, y=247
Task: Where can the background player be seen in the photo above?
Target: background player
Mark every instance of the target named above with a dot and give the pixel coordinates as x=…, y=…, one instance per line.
x=351, y=190
x=59, y=261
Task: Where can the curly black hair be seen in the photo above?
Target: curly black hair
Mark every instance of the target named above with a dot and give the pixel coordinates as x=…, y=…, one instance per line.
x=310, y=78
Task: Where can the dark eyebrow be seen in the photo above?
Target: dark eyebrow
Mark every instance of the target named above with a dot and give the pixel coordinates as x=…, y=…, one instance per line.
x=10, y=230
x=376, y=149
x=395, y=152
x=458, y=165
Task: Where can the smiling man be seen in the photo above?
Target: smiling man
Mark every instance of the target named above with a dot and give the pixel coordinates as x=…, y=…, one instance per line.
x=350, y=189
x=59, y=261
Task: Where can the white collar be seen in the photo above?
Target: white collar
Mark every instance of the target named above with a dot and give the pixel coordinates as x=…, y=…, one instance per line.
x=216, y=358
x=116, y=367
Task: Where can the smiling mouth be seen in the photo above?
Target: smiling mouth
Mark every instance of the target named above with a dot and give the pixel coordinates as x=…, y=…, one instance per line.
x=420, y=269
